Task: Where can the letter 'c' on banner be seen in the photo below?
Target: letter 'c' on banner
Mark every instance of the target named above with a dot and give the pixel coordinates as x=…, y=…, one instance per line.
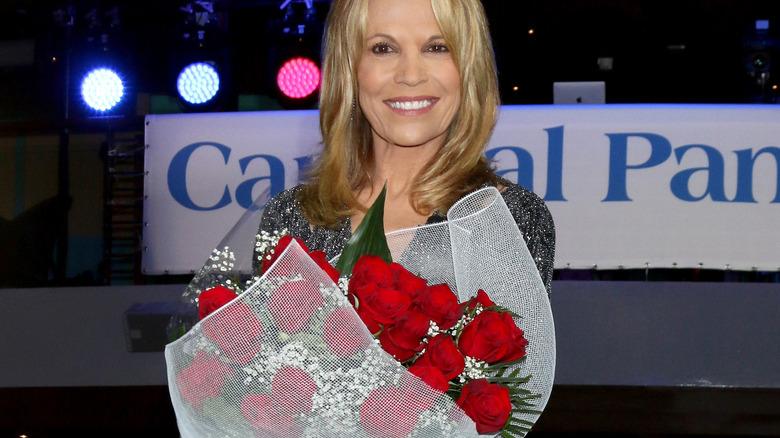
x=177, y=177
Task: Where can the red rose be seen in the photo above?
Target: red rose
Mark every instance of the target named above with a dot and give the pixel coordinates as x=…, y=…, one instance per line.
x=203, y=379
x=373, y=326
x=481, y=298
x=407, y=282
x=321, y=259
x=283, y=243
x=492, y=337
x=443, y=354
x=292, y=391
x=371, y=288
x=343, y=333
x=487, y=404
x=441, y=305
x=422, y=398
x=293, y=303
x=405, y=339
x=371, y=269
x=259, y=411
x=384, y=306
x=236, y=329
x=377, y=420
x=214, y=298
x=432, y=376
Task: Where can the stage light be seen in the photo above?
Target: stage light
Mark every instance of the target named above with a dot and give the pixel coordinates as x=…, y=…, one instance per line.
x=102, y=89
x=294, y=55
x=198, y=83
x=760, y=48
x=298, y=78
x=199, y=69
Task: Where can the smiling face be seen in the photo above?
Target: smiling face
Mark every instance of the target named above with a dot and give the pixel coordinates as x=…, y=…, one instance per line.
x=409, y=86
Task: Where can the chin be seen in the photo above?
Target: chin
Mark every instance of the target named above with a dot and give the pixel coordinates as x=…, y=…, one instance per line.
x=417, y=139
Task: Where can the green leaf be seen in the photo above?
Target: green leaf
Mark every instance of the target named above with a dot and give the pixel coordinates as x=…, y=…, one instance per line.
x=517, y=430
x=523, y=402
x=525, y=411
x=515, y=373
x=517, y=389
x=177, y=333
x=509, y=380
x=522, y=395
x=501, y=309
x=368, y=238
x=501, y=365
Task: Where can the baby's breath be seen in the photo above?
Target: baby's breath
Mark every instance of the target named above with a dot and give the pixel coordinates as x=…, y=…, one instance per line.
x=223, y=263
x=344, y=285
x=265, y=243
x=474, y=369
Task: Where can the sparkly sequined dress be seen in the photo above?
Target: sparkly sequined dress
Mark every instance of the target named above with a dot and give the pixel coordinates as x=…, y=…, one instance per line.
x=531, y=214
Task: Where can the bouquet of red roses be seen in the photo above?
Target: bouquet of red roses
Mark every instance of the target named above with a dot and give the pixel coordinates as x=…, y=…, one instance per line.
x=381, y=352
x=456, y=348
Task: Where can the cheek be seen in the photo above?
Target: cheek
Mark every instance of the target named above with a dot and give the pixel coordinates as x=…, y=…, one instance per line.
x=369, y=86
x=450, y=81
x=454, y=86
x=453, y=78
x=448, y=73
x=369, y=79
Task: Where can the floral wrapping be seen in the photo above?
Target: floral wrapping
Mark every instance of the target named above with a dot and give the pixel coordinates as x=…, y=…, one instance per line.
x=290, y=357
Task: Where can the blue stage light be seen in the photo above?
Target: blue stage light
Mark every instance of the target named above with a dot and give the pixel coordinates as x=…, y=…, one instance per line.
x=198, y=83
x=102, y=89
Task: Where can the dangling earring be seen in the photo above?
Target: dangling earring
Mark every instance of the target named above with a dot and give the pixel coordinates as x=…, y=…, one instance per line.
x=352, y=110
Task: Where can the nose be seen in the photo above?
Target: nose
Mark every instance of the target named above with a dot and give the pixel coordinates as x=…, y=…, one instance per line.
x=411, y=69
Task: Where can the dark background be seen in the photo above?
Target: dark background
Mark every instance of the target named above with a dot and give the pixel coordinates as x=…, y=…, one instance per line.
x=663, y=51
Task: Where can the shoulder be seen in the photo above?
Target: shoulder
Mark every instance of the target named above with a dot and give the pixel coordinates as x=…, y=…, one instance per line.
x=281, y=210
x=285, y=198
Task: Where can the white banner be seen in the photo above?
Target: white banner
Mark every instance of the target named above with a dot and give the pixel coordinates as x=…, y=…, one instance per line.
x=629, y=186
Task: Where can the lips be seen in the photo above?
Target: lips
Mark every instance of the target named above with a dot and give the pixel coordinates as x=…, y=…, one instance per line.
x=411, y=104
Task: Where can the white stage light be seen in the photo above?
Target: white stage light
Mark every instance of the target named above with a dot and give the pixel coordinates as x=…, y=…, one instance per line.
x=198, y=83
x=102, y=89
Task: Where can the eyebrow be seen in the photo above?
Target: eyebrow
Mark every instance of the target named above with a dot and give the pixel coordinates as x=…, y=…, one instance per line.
x=384, y=35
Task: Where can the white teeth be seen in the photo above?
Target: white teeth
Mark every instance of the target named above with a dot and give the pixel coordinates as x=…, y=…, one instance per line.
x=417, y=104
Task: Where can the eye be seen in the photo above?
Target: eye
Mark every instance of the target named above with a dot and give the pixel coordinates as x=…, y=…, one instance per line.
x=438, y=48
x=381, y=48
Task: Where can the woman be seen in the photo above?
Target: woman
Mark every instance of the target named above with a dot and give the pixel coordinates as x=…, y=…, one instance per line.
x=409, y=97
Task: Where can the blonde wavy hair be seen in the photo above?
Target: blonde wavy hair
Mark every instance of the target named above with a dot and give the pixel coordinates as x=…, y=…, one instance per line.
x=346, y=161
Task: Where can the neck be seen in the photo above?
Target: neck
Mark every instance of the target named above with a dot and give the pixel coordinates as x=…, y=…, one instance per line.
x=398, y=166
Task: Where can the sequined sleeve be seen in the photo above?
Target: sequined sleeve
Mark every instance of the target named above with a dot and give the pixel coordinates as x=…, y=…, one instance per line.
x=284, y=212
x=280, y=212
x=537, y=226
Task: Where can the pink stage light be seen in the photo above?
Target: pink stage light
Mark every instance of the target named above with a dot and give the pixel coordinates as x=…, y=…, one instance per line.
x=298, y=78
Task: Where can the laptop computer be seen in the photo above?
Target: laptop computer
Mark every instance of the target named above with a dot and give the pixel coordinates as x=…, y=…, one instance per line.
x=579, y=92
